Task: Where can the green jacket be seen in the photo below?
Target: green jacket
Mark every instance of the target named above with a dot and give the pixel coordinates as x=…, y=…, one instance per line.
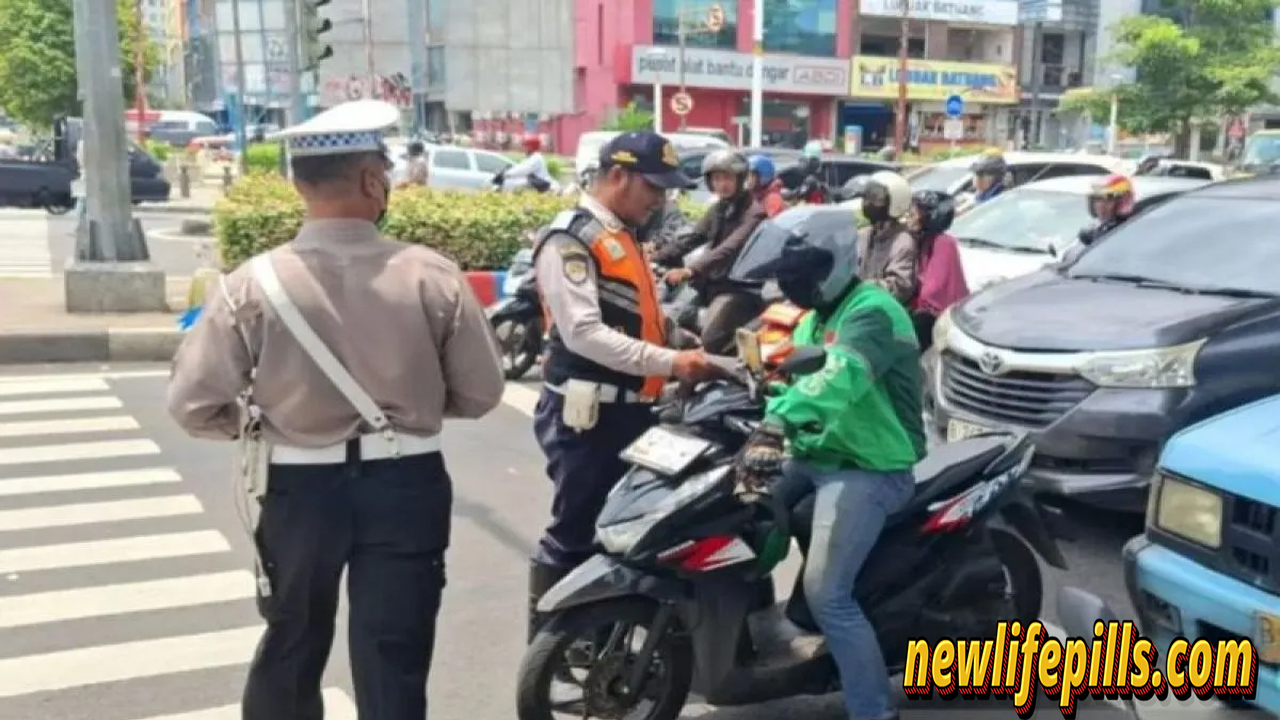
x=862, y=410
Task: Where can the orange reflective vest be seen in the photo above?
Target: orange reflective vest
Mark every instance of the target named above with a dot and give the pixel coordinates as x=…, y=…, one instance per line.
x=628, y=303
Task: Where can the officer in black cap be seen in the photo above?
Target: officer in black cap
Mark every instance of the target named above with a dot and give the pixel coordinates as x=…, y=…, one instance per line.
x=609, y=355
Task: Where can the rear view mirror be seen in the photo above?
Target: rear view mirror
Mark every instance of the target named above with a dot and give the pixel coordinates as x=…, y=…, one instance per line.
x=749, y=349
x=804, y=360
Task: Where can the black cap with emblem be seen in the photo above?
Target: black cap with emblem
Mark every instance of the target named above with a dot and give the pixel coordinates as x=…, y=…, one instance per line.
x=650, y=155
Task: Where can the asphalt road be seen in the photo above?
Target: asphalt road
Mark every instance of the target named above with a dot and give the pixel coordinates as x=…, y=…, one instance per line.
x=100, y=493
x=36, y=244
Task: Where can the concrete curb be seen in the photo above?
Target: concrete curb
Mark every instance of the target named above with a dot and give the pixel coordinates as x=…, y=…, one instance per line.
x=173, y=209
x=90, y=345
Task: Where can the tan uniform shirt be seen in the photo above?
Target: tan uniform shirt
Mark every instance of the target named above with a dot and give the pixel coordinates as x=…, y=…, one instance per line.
x=401, y=318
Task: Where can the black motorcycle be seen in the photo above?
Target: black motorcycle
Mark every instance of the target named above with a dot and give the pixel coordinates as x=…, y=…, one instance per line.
x=517, y=319
x=685, y=553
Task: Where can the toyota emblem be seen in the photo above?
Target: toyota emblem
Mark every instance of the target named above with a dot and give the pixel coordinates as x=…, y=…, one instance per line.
x=991, y=363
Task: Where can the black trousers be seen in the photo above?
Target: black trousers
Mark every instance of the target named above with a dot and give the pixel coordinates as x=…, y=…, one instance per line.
x=727, y=312
x=584, y=467
x=387, y=523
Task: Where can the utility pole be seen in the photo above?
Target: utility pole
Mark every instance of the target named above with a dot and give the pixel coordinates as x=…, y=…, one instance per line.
x=1037, y=74
x=682, y=40
x=757, y=72
x=140, y=72
x=904, y=37
x=367, y=9
x=293, y=27
x=109, y=273
x=241, y=139
x=416, y=20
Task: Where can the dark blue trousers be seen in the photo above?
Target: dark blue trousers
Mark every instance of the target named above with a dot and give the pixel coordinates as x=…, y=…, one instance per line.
x=584, y=467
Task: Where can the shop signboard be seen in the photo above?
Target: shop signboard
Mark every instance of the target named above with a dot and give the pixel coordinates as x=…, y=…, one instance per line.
x=933, y=80
x=978, y=12
x=724, y=70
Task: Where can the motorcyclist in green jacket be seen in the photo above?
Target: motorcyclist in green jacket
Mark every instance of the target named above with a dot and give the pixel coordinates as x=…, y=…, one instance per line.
x=854, y=428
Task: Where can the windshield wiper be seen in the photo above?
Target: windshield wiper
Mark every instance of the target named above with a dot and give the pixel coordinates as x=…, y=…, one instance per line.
x=1235, y=293
x=979, y=242
x=1138, y=280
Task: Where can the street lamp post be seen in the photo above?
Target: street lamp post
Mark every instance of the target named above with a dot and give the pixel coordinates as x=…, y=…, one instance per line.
x=1113, y=127
x=904, y=35
x=657, y=90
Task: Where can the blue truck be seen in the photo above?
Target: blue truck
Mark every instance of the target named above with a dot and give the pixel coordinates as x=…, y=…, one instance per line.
x=1208, y=564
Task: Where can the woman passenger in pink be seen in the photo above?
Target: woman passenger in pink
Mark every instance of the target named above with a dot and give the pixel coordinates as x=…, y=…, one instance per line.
x=941, y=277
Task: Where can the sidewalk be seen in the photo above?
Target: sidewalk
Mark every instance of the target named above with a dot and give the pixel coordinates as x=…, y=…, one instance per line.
x=201, y=201
x=35, y=327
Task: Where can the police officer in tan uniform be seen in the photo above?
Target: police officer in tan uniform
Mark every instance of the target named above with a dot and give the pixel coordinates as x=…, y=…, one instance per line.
x=334, y=360
x=608, y=353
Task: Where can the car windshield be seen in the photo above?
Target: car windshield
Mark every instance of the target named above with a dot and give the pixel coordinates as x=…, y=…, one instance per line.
x=1198, y=244
x=1024, y=220
x=937, y=178
x=1262, y=150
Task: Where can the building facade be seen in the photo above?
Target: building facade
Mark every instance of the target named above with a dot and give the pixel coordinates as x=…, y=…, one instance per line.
x=830, y=67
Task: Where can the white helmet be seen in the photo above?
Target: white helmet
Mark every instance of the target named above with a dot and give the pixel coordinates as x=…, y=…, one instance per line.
x=889, y=190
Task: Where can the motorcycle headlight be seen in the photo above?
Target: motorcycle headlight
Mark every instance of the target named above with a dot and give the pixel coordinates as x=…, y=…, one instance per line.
x=620, y=538
x=1188, y=511
x=942, y=330
x=1170, y=367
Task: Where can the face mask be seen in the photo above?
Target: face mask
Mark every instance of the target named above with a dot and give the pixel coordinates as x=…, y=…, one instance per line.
x=875, y=213
x=381, y=220
x=799, y=292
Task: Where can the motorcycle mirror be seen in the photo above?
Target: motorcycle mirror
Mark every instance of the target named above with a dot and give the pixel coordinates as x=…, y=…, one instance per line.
x=749, y=353
x=804, y=360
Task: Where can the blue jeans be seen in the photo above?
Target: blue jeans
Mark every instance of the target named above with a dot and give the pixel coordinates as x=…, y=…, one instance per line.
x=850, y=509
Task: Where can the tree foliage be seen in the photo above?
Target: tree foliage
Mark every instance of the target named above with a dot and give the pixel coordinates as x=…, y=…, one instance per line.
x=1217, y=59
x=38, y=62
x=630, y=118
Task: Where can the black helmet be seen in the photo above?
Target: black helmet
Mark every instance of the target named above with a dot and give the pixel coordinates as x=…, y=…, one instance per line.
x=1147, y=163
x=936, y=210
x=811, y=250
x=416, y=148
x=991, y=164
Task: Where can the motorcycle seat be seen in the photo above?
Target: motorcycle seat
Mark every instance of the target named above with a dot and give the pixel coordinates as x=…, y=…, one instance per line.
x=950, y=464
x=941, y=471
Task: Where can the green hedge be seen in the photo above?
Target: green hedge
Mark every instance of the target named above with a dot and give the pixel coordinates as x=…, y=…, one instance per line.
x=263, y=157
x=479, y=230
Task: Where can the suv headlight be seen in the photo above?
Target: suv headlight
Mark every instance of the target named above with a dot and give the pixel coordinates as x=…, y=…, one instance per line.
x=942, y=330
x=1188, y=511
x=1170, y=367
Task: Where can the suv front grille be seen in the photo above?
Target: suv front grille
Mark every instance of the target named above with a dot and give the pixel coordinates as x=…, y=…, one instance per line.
x=1027, y=399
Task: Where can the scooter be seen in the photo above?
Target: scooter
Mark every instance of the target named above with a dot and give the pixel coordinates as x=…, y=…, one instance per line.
x=684, y=551
x=517, y=319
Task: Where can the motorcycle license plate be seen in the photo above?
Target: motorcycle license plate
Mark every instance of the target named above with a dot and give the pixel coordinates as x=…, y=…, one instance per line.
x=664, y=451
x=961, y=430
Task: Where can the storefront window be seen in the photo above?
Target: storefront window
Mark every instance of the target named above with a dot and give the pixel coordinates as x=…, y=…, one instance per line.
x=804, y=27
x=666, y=24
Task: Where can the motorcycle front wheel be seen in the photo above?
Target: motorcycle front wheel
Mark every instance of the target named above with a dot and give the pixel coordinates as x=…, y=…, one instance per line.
x=520, y=343
x=581, y=663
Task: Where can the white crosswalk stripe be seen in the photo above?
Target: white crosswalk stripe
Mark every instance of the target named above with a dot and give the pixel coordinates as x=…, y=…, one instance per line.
x=25, y=254
x=93, y=524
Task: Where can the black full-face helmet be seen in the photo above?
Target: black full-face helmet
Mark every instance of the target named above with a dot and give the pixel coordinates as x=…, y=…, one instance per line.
x=935, y=209
x=810, y=250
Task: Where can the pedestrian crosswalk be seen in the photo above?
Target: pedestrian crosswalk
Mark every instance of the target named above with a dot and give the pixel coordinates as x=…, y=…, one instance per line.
x=24, y=250
x=119, y=598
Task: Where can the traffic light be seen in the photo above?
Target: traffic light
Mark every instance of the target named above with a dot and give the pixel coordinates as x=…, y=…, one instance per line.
x=314, y=50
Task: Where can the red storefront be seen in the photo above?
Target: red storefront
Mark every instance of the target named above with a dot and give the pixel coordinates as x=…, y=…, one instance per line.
x=800, y=92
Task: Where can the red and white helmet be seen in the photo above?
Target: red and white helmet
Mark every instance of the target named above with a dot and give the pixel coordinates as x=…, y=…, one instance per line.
x=1113, y=187
x=531, y=143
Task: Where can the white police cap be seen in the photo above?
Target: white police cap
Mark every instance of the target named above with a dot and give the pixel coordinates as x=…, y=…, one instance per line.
x=352, y=127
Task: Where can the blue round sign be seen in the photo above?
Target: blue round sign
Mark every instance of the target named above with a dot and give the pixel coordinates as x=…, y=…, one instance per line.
x=955, y=106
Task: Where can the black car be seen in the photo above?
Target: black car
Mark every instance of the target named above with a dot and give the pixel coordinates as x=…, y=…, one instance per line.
x=1170, y=319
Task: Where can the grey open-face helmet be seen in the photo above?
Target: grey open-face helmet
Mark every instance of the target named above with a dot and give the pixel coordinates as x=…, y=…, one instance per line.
x=726, y=161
